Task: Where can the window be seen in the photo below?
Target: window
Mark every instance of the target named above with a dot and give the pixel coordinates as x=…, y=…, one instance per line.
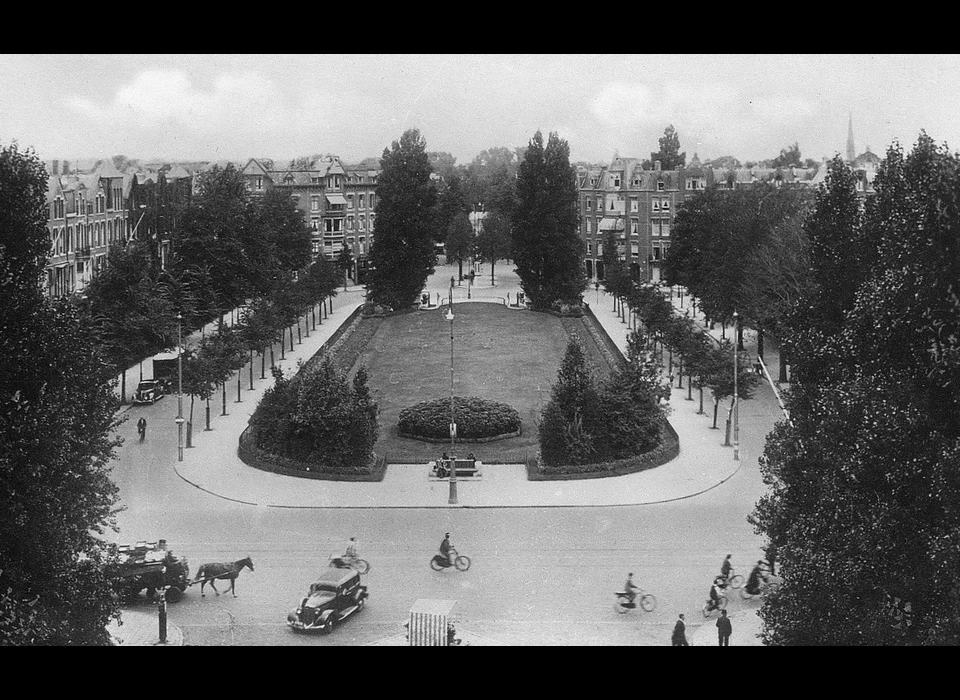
x=316, y=246
x=636, y=182
x=315, y=223
x=350, y=223
x=634, y=204
x=259, y=182
x=58, y=208
x=599, y=204
x=661, y=186
x=656, y=204
x=350, y=201
x=599, y=248
x=593, y=182
x=616, y=180
x=314, y=203
x=665, y=205
x=657, y=252
x=362, y=222
x=612, y=205
x=665, y=228
x=589, y=248
x=360, y=200
x=589, y=205
x=372, y=203
x=634, y=227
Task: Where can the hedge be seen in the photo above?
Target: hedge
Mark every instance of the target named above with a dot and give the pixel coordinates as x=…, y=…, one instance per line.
x=477, y=419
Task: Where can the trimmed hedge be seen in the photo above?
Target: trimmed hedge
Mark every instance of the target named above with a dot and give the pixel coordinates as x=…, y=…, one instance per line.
x=477, y=419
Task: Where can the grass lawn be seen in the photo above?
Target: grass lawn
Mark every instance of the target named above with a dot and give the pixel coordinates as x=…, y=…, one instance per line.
x=501, y=354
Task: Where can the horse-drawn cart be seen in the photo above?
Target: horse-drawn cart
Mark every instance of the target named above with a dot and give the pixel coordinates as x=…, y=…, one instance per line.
x=152, y=566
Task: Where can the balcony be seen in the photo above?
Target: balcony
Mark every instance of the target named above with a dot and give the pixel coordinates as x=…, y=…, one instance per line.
x=83, y=253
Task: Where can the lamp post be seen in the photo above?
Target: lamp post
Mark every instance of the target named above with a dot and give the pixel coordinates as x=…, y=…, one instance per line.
x=453, y=421
x=179, y=389
x=736, y=396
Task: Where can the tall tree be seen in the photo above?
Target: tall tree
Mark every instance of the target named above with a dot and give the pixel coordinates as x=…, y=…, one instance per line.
x=451, y=203
x=493, y=241
x=402, y=254
x=546, y=243
x=788, y=157
x=460, y=243
x=57, y=422
x=669, y=154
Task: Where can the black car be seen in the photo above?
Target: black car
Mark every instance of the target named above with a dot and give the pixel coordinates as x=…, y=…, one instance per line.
x=333, y=597
x=148, y=391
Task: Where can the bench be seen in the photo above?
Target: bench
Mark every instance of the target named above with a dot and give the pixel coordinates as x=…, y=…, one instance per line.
x=464, y=467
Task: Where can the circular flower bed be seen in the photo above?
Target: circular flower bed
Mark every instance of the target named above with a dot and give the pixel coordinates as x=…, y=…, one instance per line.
x=477, y=419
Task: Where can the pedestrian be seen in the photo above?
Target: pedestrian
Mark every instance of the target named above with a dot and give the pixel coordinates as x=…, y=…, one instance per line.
x=680, y=633
x=724, y=629
x=142, y=427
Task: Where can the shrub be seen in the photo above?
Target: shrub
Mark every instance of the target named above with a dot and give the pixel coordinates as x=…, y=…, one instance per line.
x=318, y=417
x=476, y=419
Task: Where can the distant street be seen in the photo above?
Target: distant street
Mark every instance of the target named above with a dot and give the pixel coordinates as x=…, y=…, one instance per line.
x=539, y=576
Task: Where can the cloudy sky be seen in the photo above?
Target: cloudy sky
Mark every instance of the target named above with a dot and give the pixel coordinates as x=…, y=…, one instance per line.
x=232, y=107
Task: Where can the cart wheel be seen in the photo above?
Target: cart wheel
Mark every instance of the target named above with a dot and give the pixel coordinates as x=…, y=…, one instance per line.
x=648, y=602
x=462, y=563
x=173, y=594
x=361, y=565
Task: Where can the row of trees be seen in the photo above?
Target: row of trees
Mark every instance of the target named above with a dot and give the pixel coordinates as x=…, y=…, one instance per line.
x=864, y=477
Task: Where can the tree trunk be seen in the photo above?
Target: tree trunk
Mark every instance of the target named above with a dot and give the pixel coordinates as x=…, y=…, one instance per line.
x=760, y=342
x=716, y=408
x=291, y=338
x=123, y=388
x=492, y=264
x=701, y=411
x=739, y=337
x=283, y=343
x=460, y=263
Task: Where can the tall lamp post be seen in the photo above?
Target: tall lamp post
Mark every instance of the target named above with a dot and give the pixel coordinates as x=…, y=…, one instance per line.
x=453, y=422
x=179, y=389
x=736, y=394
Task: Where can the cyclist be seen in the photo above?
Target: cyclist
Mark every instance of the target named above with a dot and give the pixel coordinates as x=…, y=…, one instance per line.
x=725, y=568
x=753, y=581
x=716, y=590
x=630, y=588
x=349, y=555
x=446, y=548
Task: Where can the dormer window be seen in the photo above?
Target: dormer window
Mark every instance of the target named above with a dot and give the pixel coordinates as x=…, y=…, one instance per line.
x=616, y=180
x=259, y=182
x=636, y=182
x=661, y=186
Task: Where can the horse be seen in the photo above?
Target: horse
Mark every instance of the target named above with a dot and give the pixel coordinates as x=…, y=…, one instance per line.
x=228, y=570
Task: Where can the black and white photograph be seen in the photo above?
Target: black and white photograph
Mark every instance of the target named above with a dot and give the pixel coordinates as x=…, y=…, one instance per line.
x=458, y=350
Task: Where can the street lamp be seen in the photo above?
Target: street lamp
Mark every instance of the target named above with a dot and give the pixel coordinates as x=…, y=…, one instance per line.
x=179, y=388
x=453, y=421
x=736, y=395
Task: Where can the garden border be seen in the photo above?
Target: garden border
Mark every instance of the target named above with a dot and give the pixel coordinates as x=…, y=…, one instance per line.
x=253, y=456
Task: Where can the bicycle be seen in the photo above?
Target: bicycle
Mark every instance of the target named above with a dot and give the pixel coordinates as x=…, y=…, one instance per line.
x=721, y=605
x=767, y=586
x=359, y=565
x=733, y=579
x=623, y=604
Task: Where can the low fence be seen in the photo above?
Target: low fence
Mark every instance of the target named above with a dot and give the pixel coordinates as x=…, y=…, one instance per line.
x=253, y=456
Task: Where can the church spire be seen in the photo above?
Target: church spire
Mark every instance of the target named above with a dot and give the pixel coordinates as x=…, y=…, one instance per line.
x=851, y=151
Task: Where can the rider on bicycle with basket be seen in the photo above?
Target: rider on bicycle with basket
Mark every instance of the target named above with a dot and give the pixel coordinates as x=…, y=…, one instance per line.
x=753, y=581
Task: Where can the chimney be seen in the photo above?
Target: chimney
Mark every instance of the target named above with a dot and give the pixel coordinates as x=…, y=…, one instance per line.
x=656, y=165
x=55, y=167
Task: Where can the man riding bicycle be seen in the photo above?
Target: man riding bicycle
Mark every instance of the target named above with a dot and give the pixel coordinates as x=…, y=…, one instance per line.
x=725, y=570
x=756, y=575
x=630, y=588
x=349, y=555
x=716, y=590
x=446, y=548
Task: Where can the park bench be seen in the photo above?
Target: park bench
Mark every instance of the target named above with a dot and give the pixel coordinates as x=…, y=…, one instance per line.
x=464, y=467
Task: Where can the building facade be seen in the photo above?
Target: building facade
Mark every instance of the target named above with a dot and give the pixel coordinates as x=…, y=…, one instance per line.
x=337, y=201
x=86, y=214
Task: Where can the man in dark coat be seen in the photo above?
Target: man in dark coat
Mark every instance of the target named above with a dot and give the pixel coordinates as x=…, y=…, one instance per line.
x=724, y=629
x=680, y=633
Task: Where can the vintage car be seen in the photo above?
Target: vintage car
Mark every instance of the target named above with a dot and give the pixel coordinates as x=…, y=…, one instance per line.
x=333, y=596
x=148, y=391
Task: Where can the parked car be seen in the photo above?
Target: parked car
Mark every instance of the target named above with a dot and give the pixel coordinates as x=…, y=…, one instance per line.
x=333, y=597
x=148, y=391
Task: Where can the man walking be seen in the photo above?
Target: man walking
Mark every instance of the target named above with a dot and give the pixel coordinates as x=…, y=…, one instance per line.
x=680, y=633
x=142, y=427
x=724, y=629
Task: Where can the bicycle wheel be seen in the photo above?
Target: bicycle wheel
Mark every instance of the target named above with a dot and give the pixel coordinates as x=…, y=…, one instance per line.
x=722, y=603
x=462, y=563
x=621, y=605
x=435, y=564
x=361, y=565
x=648, y=602
x=706, y=609
x=736, y=581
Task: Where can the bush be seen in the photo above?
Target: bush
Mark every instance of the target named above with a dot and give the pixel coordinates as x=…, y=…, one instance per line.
x=476, y=419
x=318, y=417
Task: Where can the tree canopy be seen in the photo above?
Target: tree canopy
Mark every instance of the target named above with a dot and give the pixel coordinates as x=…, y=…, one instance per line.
x=669, y=154
x=57, y=417
x=402, y=254
x=546, y=243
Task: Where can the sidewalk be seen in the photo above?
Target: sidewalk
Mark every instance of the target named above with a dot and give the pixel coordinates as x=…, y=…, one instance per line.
x=141, y=629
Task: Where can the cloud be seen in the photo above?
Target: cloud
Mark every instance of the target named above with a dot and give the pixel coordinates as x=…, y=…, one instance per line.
x=237, y=111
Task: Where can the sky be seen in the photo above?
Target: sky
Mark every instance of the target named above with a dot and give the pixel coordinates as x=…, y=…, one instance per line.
x=213, y=107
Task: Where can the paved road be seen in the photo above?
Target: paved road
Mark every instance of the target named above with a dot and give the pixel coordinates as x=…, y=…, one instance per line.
x=540, y=576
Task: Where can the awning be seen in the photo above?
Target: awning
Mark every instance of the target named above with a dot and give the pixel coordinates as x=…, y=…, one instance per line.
x=610, y=223
x=336, y=199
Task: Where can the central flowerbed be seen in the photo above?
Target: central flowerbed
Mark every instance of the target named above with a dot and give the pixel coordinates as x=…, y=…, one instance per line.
x=477, y=420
